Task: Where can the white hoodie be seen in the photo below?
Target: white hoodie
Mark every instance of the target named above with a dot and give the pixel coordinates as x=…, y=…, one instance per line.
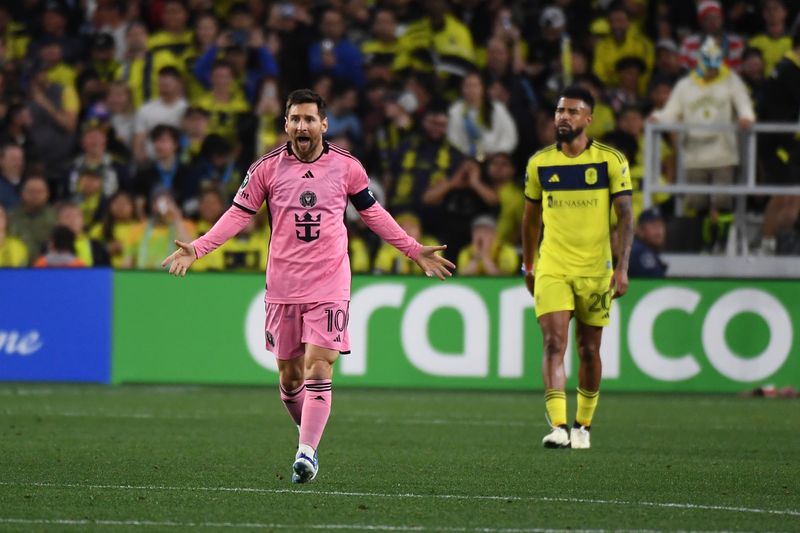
x=695, y=101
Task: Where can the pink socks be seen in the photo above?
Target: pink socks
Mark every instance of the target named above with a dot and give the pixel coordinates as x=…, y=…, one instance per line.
x=293, y=400
x=315, y=411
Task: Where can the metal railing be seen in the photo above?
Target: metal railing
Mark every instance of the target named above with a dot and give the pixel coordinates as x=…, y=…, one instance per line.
x=746, y=184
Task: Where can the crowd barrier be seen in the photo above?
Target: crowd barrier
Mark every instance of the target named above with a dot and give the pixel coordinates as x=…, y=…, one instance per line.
x=148, y=327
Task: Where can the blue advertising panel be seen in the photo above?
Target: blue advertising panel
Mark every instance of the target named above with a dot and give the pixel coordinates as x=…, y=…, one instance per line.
x=55, y=325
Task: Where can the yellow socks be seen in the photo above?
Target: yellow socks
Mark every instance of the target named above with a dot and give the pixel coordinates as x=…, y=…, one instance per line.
x=555, y=402
x=587, y=402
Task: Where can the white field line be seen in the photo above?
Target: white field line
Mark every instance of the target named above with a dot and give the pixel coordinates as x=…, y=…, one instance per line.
x=225, y=414
x=256, y=525
x=410, y=495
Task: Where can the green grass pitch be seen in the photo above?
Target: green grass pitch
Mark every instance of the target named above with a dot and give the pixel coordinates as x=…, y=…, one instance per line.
x=143, y=458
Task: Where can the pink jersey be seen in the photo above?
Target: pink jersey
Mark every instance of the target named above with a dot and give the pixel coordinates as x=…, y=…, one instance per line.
x=308, y=258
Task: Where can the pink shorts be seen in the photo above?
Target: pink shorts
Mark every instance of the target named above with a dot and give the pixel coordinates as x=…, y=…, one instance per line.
x=289, y=327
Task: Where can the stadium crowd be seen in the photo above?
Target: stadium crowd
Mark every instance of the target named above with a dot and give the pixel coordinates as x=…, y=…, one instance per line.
x=128, y=124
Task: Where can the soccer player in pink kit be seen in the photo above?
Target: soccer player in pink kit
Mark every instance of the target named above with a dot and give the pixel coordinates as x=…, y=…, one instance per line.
x=306, y=185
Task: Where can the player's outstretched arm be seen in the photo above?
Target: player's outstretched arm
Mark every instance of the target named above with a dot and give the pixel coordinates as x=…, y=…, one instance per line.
x=181, y=259
x=434, y=264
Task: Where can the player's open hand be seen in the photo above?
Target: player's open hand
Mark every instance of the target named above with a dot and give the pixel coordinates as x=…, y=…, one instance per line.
x=181, y=259
x=433, y=264
x=619, y=283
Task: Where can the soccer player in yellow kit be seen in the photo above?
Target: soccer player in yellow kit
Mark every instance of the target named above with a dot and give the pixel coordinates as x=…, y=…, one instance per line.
x=570, y=188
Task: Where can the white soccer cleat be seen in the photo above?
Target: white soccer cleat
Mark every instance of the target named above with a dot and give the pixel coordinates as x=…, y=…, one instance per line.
x=558, y=438
x=579, y=438
x=305, y=465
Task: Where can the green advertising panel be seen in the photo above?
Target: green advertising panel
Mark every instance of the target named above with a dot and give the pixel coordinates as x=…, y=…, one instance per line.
x=463, y=333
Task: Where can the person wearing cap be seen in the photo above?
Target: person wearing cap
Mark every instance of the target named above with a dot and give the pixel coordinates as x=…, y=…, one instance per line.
x=651, y=232
x=775, y=41
x=95, y=157
x=623, y=41
x=102, y=59
x=710, y=16
x=668, y=62
x=711, y=94
x=545, y=46
x=486, y=255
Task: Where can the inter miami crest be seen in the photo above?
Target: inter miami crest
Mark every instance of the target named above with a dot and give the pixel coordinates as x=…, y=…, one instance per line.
x=270, y=338
x=308, y=199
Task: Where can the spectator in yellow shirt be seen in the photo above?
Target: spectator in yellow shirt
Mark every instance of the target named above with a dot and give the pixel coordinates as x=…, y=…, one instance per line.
x=390, y=260
x=486, y=256
x=623, y=41
x=225, y=104
x=120, y=231
x=775, y=42
x=13, y=252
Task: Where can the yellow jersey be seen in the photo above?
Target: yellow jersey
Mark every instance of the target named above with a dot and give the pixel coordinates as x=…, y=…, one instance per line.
x=576, y=194
x=13, y=253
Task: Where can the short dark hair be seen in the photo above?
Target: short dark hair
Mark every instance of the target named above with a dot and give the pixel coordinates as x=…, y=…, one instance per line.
x=170, y=71
x=221, y=63
x=63, y=239
x=578, y=93
x=166, y=129
x=306, y=96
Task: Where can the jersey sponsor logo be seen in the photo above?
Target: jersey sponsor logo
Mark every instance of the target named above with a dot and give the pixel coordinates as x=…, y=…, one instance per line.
x=245, y=181
x=571, y=203
x=308, y=199
x=307, y=176
x=554, y=179
x=590, y=175
x=307, y=223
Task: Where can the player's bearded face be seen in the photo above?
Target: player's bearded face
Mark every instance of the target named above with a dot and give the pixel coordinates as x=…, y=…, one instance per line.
x=305, y=128
x=566, y=133
x=571, y=119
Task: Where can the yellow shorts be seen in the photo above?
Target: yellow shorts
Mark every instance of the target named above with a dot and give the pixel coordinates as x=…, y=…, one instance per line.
x=589, y=298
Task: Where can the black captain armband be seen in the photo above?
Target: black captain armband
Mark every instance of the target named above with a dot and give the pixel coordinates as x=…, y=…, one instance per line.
x=362, y=200
x=245, y=209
